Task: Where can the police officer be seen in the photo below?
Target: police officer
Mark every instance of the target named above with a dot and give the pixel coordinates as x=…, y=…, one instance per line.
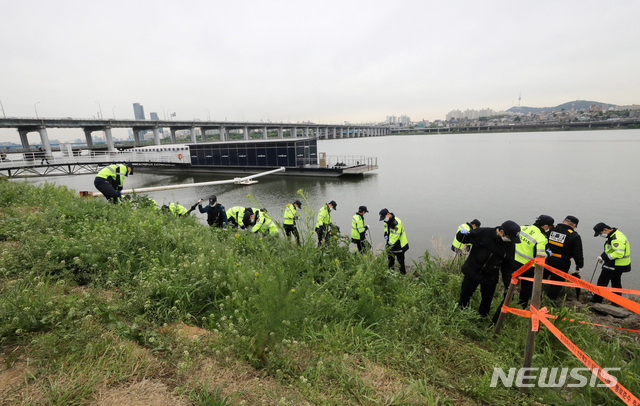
x=263, y=223
x=396, y=238
x=358, y=229
x=239, y=216
x=615, y=260
x=564, y=243
x=216, y=213
x=324, y=221
x=492, y=249
x=290, y=217
x=461, y=246
x=110, y=180
x=179, y=210
x=533, y=243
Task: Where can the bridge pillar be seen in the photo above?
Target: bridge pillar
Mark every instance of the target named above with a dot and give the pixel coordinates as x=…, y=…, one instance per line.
x=294, y=132
x=136, y=137
x=172, y=132
x=23, y=138
x=156, y=136
x=306, y=132
x=246, y=132
x=193, y=134
x=280, y=135
x=223, y=133
x=44, y=138
x=265, y=132
x=87, y=136
x=109, y=137
x=334, y=133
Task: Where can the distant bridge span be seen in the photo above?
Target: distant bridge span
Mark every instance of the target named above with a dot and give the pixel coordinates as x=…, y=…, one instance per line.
x=222, y=128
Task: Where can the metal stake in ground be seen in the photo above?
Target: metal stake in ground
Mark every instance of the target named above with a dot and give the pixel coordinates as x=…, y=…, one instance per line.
x=594, y=272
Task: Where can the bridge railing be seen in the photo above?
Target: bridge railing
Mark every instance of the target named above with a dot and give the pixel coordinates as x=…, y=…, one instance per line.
x=34, y=159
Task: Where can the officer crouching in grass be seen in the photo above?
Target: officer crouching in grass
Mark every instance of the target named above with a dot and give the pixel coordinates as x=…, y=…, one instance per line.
x=110, y=180
x=492, y=250
x=396, y=238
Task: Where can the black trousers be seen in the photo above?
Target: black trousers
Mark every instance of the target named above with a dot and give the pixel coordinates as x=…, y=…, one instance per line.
x=290, y=229
x=322, y=233
x=107, y=189
x=362, y=244
x=506, y=281
x=487, y=289
x=553, y=291
x=399, y=255
x=526, y=288
x=606, y=276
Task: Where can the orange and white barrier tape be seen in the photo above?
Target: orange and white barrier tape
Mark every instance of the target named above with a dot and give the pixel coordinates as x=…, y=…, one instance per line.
x=573, y=285
x=527, y=314
x=622, y=392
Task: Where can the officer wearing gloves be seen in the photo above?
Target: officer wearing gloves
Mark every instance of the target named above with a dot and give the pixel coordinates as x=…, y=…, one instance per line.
x=289, y=221
x=492, y=250
x=323, y=222
x=533, y=243
x=396, y=238
x=216, y=214
x=564, y=243
x=462, y=246
x=616, y=258
x=359, y=229
x=110, y=180
x=263, y=223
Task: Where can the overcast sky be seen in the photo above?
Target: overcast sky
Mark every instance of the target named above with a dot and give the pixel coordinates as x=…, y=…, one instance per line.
x=323, y=61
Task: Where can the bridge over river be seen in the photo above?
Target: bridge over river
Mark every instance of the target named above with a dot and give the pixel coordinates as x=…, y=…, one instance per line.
x=198, y=130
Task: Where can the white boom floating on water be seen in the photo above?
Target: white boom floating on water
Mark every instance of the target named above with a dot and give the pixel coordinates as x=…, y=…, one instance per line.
x=247, y=180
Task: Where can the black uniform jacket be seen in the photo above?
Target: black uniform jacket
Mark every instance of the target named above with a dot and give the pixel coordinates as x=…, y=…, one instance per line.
x=489, y=254
x=564, y=244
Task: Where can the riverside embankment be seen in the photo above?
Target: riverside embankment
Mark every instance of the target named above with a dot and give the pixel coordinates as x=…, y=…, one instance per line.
x=104, y=304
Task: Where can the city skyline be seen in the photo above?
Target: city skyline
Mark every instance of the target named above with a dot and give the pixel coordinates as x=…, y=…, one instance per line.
x=289, y=62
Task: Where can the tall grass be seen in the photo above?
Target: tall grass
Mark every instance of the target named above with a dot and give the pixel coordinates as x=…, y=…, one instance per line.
x=86, y=288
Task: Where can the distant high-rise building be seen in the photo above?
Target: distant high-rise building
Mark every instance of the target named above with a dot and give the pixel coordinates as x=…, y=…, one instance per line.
x=138, y=111
x=153, y=116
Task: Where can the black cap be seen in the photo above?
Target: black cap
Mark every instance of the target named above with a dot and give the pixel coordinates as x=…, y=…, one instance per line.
x=334, y=204
x=363, y=208
x=511, y=230
x=544, y=220
x=597, y=229
x=298, y=203
x=212, y=199
x=383, y=213
x=572, y=219
x=475, y=222
x=129, y=165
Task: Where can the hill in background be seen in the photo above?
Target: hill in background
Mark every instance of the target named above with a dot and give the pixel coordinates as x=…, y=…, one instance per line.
x=576, y=105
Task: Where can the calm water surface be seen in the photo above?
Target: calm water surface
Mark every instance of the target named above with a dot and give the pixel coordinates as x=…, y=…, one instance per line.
x=435, y=182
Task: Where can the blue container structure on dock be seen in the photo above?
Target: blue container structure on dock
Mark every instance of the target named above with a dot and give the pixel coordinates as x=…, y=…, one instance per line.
x=299, y=156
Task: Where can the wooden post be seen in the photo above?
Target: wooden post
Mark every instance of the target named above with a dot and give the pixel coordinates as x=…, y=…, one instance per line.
x=507, y=302
x=531, y=335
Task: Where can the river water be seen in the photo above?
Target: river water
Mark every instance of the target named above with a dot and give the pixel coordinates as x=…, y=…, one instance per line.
x=435, y=182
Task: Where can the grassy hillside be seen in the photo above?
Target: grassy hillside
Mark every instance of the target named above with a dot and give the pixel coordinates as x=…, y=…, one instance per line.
x=104, y=304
